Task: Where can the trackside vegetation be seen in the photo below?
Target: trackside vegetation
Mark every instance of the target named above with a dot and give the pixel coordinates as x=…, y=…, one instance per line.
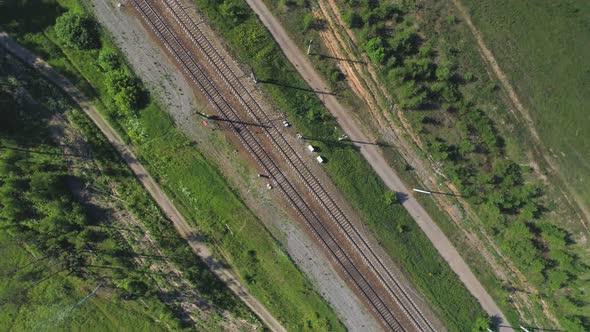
x=189, y=179
x=397, y=232
x=426, y=62
x=55, y=251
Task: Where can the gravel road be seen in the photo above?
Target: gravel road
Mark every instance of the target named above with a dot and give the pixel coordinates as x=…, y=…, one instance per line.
x=375, y=158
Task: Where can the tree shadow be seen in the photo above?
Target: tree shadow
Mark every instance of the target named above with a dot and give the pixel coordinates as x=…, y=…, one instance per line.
x=28, y=15
x=401, y=197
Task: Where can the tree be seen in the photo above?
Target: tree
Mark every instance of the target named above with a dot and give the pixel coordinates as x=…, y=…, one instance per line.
x=375, y=50
x=352, y=19
x=411, y=95
x=308, y=22
x=125, y=90
x=443, y=72
x=390, y=198
x=77, y=30
x=404, y=41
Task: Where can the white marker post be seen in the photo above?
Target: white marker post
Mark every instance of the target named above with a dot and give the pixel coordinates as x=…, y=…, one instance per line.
x=422, y=191
x=309, y=46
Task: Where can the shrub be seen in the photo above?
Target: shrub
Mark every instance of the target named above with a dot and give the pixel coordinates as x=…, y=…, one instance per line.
x=375, y=50
x=125, y=89
x=108, y=59
x=77, y=30
x=352, y=19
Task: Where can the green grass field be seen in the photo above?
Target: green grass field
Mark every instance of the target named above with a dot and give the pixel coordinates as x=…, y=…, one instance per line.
x=544, y=48
x=196, y=187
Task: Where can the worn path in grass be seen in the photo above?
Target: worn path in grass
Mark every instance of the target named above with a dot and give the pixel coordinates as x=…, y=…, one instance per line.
x=181, y=225
x=523, y=113
x=375, y=158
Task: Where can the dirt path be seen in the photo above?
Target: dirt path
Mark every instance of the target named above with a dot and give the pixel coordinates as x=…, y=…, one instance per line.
x=376, y=160
x=523, y=113
x=181, y=225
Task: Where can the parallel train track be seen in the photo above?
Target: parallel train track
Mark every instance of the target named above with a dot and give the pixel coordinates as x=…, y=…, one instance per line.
x=189, y=65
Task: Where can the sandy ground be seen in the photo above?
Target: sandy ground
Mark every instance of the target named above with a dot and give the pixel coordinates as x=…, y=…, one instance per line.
x=163, y=79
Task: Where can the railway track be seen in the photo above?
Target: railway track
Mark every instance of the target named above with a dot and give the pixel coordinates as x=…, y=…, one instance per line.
x=343, y=224
x=245, y=97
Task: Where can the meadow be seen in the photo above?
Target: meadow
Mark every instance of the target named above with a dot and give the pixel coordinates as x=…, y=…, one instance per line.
x=544, y=48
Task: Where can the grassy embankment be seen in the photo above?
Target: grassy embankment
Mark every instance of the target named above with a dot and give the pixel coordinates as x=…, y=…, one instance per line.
x=428, y=62
x=397, y=232
x=194, y=184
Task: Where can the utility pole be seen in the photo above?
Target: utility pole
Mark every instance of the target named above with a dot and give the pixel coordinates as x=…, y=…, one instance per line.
x=253, y=77
x=88, y=296
x=422, y=191
x=309, y=46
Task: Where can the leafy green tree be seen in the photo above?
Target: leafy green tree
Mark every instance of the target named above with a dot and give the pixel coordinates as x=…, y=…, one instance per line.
x=443, y=72
x=404, y=41
x=125, y=90
x=353, y=19
x=308, y=22
x=556, y=279
x=518, y=243
x=77, y=30
x=411, y=95
x=375, y=50
x=390, y=198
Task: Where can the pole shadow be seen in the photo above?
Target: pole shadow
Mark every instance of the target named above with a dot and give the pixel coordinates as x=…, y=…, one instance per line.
x=344, y=141
x=217, y=118
x=324, y=56
x=285, y=85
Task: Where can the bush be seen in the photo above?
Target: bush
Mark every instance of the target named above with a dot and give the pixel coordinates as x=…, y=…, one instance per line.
x=108, y=59
x=125, y=89
x=77, y=30
x=353, y=20
x=308, y=22
x=375, y=50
